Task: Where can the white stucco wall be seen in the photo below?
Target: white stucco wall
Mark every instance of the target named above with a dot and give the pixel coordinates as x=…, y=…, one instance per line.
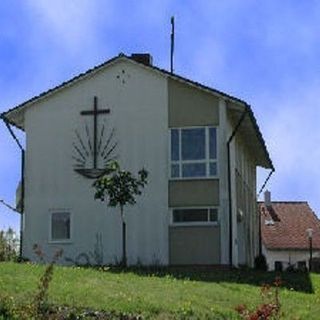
x=224, y=133
x=245, y=246
x=287, y=257
x=138, y=101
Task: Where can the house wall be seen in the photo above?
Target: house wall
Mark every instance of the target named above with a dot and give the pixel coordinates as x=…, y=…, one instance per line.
x=287, y=257
x=194, y=193
x=143, y=104
x=245, y=173
x=243, y=191
x=223, y=183
x=188, y=107
x=185, y=242
x=138, y=102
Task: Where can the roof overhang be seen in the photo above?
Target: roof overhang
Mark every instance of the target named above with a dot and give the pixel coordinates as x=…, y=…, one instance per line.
x=16, y=115
x=250, y=133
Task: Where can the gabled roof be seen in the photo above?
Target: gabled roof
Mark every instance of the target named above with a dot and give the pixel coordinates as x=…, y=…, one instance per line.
x=15, y=115
x=284, y=225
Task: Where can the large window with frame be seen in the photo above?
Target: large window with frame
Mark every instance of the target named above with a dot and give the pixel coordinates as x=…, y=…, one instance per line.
x=194, y=215
x=60, y=226
x=193, y=152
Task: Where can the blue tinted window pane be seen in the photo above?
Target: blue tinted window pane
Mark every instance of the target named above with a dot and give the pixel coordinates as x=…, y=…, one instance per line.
x=194, y=170
x=190, y=215
x=213, y=143
x=193, y=144
x=174, y=144
x=213, y=169
x=175, y=171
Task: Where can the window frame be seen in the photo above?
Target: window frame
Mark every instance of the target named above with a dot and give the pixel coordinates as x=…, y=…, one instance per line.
x=207, y=161
x=195, y=223
x=61, y=241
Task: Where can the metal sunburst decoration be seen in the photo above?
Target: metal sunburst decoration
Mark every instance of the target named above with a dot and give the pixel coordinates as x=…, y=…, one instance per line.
x=92, y=158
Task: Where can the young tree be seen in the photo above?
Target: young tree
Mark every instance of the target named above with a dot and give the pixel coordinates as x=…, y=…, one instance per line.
x=120, y=188
x=8, y=245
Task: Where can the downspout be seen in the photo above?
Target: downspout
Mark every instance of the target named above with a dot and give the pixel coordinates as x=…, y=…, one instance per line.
x=229, y=185
x=22, y=200
x=261, y=189
x=22, y=178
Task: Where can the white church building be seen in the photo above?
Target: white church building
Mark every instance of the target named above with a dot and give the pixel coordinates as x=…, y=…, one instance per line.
x=200, y=146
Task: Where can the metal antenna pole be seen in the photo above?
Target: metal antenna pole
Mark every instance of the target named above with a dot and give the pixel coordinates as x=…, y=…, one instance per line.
x=172, y=44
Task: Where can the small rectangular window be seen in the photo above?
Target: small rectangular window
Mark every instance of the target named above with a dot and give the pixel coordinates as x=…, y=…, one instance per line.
x=195, y=215
x=60, y=226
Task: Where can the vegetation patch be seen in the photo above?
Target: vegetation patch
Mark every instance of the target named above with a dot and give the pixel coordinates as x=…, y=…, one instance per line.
x=153, y=293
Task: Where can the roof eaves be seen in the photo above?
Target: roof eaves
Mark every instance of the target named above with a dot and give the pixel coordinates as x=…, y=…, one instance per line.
x=260, y=137
x=58, y=87
x=290, y=248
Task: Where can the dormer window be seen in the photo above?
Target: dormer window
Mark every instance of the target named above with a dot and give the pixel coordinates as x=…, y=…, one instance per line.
x=193, y=152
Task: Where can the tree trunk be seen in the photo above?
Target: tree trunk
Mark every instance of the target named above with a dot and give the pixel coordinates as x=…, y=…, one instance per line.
x=124, y=253
x=124, y=240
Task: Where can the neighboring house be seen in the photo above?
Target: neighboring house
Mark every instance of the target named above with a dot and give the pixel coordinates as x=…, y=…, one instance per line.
x=285, y=240
x=200, y=146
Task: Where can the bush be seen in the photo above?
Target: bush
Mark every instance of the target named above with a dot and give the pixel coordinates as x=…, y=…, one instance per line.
x=268, y=309
x=290, y=268
x=9, y=244
x=260, y=262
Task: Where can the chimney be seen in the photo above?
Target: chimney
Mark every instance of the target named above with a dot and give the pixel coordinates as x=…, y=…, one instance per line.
x=145, y=58
x=267, y=198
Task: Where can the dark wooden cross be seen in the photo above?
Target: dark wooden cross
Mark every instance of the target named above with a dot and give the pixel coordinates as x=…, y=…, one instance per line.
x=95, y=113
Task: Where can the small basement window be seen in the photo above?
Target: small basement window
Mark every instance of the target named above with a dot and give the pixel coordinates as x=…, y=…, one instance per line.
x=60, y=226
x=194, y=215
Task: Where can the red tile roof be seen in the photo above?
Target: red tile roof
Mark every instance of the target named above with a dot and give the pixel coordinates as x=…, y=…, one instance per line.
x=290, y=222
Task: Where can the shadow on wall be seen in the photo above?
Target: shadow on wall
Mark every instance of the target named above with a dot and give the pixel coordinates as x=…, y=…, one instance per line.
x=91, y=258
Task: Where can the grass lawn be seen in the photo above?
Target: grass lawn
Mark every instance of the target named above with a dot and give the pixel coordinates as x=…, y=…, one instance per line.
x=163, y=295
